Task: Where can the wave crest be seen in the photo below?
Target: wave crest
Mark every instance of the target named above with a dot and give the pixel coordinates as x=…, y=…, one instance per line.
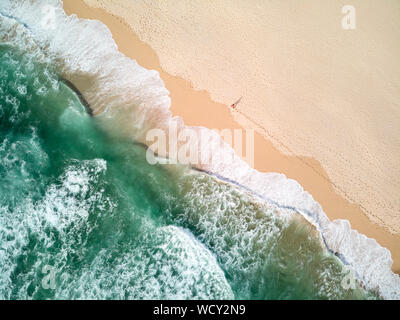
x=126, y=96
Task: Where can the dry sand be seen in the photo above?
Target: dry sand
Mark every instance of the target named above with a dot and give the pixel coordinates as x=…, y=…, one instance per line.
x=195, y=107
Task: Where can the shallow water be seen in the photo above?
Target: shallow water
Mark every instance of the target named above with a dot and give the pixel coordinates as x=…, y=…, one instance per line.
x=83, y=215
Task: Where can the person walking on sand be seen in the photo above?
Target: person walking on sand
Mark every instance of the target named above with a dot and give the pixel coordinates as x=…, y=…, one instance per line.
x=233, y=106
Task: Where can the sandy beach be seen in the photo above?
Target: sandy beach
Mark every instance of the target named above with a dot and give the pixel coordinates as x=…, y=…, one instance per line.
x=361, y=183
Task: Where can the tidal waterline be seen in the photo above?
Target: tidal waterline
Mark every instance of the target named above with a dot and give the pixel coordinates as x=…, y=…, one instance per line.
x=88, y=206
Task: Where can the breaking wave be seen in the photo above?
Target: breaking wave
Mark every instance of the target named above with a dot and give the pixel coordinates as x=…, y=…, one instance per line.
x=129, y=100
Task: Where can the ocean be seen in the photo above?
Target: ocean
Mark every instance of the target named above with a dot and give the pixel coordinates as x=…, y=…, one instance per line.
x=83, y=215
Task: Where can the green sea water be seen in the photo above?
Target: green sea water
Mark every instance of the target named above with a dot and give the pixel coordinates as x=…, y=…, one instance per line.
x=84, y=216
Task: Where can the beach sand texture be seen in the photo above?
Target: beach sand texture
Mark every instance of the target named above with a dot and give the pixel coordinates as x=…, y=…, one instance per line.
x=326, y=95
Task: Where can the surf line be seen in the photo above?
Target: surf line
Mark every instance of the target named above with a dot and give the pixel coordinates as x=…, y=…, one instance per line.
x=303, y=212
x=306, y=214
x=315, y=221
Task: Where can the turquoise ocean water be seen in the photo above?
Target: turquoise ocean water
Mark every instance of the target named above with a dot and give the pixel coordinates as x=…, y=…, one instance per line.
x=84, y=216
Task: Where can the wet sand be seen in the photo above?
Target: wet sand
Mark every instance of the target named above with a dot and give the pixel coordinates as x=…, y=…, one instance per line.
x=196, y=106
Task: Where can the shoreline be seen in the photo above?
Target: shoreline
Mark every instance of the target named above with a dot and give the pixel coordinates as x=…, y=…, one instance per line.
x=194, y=107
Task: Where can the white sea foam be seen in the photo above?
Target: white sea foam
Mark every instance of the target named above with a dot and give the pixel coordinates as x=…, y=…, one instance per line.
x=249, y=235
x=59, y=209
x=169, y=264
x=134, y=100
